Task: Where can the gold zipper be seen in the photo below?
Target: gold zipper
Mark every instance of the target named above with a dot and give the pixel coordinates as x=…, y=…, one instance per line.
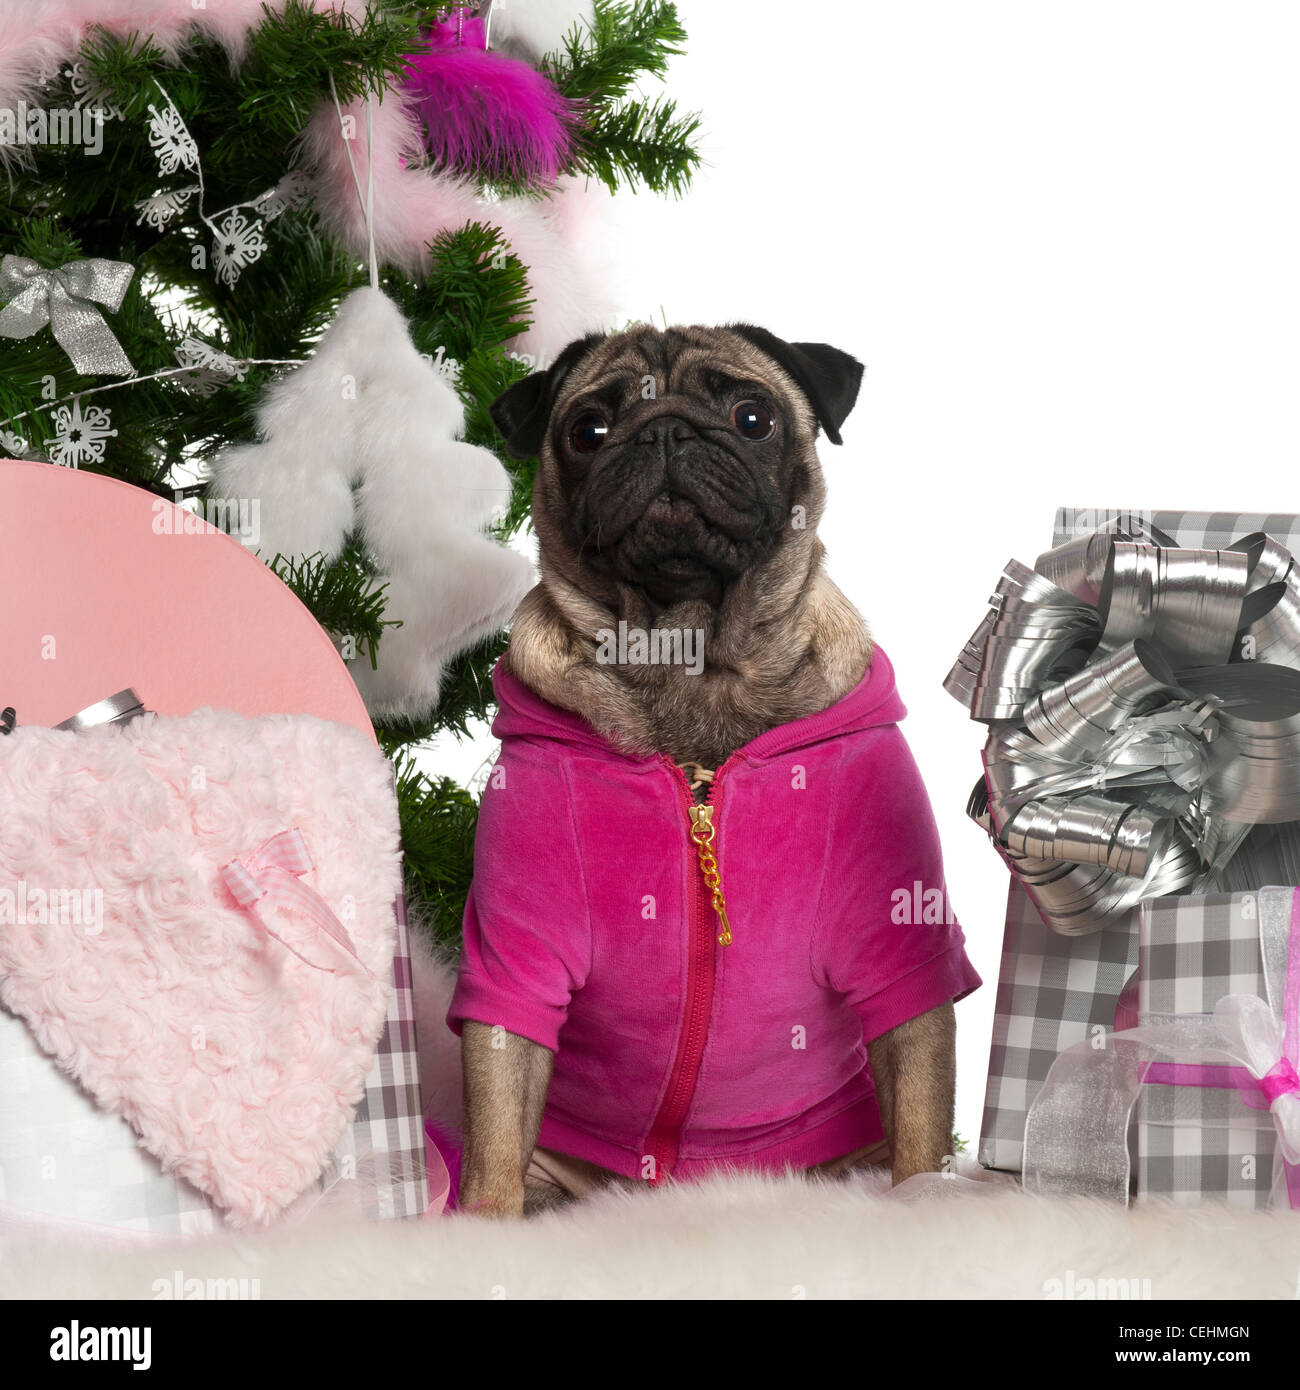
x=703, y=833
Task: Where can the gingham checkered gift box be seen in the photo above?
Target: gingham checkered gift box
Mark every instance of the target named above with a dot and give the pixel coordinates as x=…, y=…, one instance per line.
x=1055, y=991
x=1201, y=1140
x=1206, y=1066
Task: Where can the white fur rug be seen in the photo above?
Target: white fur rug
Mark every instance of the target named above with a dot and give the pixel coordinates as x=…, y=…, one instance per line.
x=745, y=1238
x=739, y=1237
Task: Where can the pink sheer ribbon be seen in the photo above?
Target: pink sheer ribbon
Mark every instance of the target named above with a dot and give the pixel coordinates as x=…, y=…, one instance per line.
x=1279, y=1082
x=272, y=877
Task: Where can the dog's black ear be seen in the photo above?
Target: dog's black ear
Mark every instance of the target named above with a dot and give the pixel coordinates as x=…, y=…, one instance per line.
x=828, y=377
x=523, y=412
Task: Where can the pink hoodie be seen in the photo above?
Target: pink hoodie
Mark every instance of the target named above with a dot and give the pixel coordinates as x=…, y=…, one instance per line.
x=589, y=929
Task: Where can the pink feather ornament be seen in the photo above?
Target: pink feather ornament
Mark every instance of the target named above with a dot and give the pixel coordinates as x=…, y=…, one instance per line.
x=564, y=239
x=486, y=113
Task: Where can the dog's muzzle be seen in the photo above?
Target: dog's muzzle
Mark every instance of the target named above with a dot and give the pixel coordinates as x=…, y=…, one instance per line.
x=673, y=509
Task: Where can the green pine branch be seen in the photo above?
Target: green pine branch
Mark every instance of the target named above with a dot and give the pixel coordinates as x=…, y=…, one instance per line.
x=628, y=39
x=345, y=597
x=438, y=819
x=466, y=695
x=283, y=72
x=484, y=376
x=642, y=142
x=474, y=296
x=628, y=140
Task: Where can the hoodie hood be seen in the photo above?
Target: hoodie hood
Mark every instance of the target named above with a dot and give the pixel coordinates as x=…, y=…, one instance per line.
x=872, y=703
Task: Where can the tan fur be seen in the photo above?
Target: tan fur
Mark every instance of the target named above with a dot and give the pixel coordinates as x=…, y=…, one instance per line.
x=506, y=1080
x=914, y=1067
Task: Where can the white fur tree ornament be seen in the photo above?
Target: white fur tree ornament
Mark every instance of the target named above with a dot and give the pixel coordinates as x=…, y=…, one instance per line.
x=364, y=436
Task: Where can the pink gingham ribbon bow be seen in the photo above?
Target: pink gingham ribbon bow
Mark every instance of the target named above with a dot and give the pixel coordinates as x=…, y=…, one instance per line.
x=272, y=876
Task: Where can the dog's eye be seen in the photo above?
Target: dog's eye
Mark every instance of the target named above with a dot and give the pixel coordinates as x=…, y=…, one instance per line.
x=753, y=420
x=588, y=432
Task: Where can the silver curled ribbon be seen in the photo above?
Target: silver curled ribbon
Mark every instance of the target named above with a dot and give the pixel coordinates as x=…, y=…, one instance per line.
x=66, y=299
x=1143, y=704
x=115, y=709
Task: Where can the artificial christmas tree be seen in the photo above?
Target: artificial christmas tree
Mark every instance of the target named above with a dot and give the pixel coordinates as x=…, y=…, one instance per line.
x=193, y=193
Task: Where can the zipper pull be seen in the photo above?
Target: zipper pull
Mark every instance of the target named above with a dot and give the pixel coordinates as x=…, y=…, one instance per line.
x=703, y=833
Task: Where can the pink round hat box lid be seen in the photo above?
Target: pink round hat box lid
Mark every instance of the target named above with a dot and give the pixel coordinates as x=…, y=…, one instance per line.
x=104, y=586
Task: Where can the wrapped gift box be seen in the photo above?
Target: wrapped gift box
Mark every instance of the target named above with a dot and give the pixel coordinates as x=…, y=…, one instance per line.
x=1202, y=1077
x=1201, y=1140
x=131, y=604
x=1055, y=991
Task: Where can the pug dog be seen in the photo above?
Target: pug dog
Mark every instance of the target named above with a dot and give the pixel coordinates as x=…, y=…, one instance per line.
x=678, y=486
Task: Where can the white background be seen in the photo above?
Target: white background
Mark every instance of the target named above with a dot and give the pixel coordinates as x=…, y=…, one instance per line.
x=1064, y=238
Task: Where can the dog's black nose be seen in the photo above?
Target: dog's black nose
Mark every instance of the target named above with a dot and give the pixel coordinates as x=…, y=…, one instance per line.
x=666, y=429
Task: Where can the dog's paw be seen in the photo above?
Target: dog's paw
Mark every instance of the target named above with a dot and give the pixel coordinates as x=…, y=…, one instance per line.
x=495, y=1202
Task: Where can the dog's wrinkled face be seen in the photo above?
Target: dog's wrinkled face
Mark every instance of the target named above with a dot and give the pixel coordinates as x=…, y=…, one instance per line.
x=672, y=461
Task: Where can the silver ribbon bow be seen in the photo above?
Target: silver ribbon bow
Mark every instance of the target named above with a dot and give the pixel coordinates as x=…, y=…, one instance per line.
x=66, y=299
x=1131, y=752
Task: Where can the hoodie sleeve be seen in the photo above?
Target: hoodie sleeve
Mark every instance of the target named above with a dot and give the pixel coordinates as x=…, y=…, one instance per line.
x=526, y=933
x=886, y=937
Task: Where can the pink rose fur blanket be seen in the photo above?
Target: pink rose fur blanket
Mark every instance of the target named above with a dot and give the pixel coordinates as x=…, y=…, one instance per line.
x=238, y=1063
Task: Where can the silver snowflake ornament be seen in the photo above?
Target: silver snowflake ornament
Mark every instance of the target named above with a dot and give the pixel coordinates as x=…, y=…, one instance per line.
x=209, y=367
x=13, y=445
x=77, y=80
x=87, y=97
x=80, y=436
x=446, y=367
x=164, y=208
x=239, y=241
x=171, y=141
x=291, y=192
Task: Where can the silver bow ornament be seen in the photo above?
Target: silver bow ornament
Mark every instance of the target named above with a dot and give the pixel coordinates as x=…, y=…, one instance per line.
x=66, y=299
x=1143, y=704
